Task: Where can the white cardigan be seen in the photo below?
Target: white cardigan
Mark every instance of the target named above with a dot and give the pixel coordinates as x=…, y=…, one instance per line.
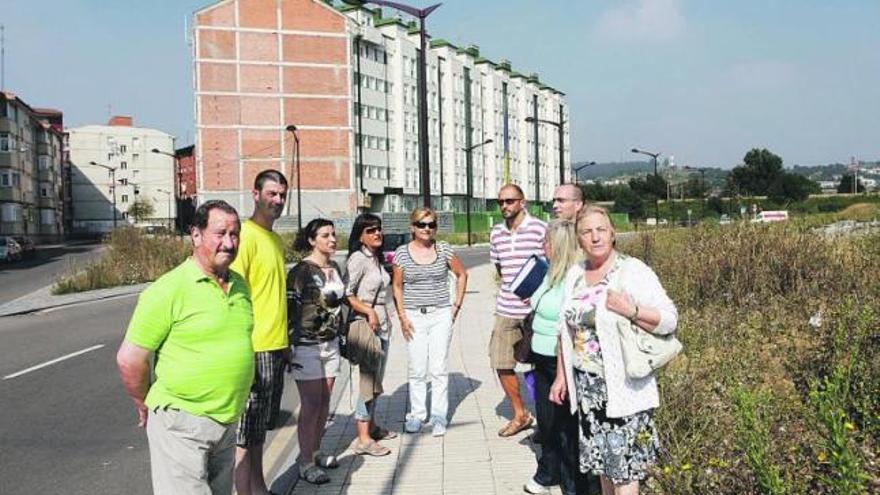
x=626, y=396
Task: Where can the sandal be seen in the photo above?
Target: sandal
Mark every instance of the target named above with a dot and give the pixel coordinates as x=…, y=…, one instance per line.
x=372, y=448
x=514, y=427
x=313, y=474
x=325, y=460
x=380, y=433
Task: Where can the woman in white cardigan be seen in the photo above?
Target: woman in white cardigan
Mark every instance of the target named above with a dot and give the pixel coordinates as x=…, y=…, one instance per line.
x=618, y=439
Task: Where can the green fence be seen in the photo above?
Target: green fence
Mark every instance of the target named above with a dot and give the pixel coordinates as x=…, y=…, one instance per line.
x=482, y=221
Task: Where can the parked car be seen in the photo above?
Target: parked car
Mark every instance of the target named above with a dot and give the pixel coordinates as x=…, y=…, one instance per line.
x=725, y=219
x=28, y=248
x=9, y=249
x=389, y=244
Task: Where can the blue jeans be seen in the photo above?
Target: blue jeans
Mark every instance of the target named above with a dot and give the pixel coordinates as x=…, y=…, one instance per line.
x=363, y=410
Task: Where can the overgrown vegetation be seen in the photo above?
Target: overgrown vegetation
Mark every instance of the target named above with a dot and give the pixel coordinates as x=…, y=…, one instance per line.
x=778, y=388
x=132, y=257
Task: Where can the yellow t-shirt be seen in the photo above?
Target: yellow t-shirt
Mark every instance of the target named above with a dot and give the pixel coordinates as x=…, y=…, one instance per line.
x=260, y=261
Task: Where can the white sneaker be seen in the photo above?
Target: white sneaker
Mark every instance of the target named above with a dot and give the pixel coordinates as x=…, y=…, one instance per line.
x=413, y=425
x=535, y=488
x=438, y=430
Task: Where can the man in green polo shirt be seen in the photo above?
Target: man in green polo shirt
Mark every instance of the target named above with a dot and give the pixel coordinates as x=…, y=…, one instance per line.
x=197, y=321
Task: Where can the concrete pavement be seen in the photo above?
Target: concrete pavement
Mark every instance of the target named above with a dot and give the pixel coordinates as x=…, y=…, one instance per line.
x=471, y=458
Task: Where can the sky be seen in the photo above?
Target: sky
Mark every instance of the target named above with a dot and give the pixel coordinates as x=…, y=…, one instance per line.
x=701, y=80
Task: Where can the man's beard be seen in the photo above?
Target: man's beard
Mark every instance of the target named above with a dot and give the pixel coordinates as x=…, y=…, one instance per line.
x=275, y=210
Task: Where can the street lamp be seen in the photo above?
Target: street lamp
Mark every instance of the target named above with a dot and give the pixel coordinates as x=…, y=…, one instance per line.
x=560, y=127
x=577, y=171
x=469, y=151
x=421, y=14
x=656, y=176
x=112, y=181
x=295, y=158
x=168, y=193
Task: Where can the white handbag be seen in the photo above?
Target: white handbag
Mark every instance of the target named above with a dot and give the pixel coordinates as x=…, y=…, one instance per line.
x=643, y=352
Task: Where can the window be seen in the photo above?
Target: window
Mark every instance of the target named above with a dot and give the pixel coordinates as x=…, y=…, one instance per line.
x=135, y=142
x=16, y=179
x=124, y=182
x=4, y=141
x=5, y=180
x=134, y=157
x=123, y=165
x=45, y=163
x=125, y=198
x=122, y=149
x=44, y=192
x=109, y=156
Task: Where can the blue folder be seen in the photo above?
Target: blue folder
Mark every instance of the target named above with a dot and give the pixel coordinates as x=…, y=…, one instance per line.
x=530, y=276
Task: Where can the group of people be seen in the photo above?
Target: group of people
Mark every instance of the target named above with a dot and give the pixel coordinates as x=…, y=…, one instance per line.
x=205, y=352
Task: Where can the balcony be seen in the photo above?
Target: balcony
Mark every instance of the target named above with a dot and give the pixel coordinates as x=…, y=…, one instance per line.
x=44, y=149
x=6, y=125
x=10, y=194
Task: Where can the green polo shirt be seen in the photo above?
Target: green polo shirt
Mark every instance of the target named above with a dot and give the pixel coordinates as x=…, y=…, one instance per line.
x=202, y=340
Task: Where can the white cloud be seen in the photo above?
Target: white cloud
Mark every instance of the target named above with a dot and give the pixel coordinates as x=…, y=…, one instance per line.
x=641, y=21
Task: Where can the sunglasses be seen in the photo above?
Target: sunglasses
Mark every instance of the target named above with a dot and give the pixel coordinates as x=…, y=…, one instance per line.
x=373, y=230
x=425, y=225
x=508, y=201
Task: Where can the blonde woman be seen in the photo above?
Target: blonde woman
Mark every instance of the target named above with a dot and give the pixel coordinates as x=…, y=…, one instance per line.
x=618, y=439
x=558, y=431
x=420, y=281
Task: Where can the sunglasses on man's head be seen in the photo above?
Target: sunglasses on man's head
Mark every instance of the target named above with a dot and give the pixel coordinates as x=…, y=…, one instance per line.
x=425, y=225
x=508, y=201
x=373, y=230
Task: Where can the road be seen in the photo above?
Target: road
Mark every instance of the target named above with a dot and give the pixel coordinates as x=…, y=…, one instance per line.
x=68, y=427
x=23, y=277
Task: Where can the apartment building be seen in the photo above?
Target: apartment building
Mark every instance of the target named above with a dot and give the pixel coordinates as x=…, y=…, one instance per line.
x=31, y=171
x=346, y=77
x=114, y=167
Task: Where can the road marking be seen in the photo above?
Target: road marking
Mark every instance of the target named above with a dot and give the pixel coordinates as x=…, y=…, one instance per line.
x=56, y=360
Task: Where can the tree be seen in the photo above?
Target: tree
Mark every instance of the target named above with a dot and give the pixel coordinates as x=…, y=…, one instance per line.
x=695, y=188
x=760, y=170
x=629, y=201
x=792, y=187
x=846, y=185
x=651, y=185
x=141, y=210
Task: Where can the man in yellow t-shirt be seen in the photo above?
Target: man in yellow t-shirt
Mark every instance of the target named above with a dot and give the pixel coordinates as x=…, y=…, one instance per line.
x=261, y=262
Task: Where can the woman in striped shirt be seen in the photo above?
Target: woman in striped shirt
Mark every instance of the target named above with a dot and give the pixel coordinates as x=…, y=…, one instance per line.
x=421, y=292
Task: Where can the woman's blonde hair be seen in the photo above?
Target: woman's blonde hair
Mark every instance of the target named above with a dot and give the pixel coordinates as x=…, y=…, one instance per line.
x=421, y=212
x=562, y=239
x=589, y=210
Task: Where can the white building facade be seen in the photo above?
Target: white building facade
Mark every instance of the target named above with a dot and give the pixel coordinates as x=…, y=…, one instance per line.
x=122, y=152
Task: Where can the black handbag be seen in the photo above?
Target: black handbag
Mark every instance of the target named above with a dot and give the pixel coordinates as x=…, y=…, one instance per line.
x=522, y=350
x=343, y=335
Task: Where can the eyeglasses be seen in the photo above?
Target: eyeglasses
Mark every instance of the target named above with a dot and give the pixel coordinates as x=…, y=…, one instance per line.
x=425, y=225
x=508, y=201
x=373, y=230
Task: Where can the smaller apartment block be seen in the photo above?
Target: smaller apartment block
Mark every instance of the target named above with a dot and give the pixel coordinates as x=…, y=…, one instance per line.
x=31, y=170
x=122, y=153
x=346, y=77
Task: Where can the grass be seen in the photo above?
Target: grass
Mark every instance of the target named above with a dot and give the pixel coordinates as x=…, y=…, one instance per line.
x=778, y=388
x=132, y=257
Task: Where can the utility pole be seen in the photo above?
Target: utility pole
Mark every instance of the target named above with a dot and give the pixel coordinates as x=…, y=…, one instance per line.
x=2, y=57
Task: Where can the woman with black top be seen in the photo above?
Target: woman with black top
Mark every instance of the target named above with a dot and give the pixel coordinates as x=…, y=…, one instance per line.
x=315, y=293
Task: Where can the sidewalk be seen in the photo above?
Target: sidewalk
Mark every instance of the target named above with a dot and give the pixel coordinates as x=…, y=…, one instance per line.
x=471, y=458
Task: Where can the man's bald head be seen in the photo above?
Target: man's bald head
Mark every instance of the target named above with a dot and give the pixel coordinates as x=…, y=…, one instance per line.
x=567, y=201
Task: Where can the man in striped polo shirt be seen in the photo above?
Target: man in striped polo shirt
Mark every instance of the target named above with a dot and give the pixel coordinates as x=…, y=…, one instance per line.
x=512, y=243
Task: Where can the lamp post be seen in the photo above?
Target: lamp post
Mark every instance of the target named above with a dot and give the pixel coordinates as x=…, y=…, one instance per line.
x=178, y=180
x=656, y=176
x=702, y=172
x=577, y=171
x=168, y=193
x=560, y=127
x=113, y=186
x=295, y=158
x=469, y=152
x=421, y=14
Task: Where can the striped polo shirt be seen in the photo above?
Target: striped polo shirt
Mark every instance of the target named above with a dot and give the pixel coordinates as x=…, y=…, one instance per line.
x=510, y=250
x=425, y=284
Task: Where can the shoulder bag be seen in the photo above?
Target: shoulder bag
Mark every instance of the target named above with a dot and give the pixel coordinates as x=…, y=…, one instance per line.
x=522, y=350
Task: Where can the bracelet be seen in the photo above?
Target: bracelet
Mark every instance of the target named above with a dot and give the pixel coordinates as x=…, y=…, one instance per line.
x=635, y=315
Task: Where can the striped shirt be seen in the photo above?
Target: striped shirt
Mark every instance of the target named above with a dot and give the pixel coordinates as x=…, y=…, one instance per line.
x=425, y=284
x=510, y=251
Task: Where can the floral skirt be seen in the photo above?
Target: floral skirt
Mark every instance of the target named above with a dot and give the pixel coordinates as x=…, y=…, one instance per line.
x=621, y=449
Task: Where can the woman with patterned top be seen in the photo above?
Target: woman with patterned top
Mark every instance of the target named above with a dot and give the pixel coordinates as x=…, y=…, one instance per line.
x=618, y=438
x=367, y=292
x=315, y=293
x=421, y=293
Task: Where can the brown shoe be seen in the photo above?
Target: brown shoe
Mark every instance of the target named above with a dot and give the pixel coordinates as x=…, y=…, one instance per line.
x=514, y=426
x=372, y=448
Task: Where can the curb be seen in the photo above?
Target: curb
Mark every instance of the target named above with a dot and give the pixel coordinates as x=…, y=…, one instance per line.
x=42, y=299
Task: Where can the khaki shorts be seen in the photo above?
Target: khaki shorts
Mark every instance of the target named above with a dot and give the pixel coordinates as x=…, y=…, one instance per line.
x=316, y=361
x=506, y=333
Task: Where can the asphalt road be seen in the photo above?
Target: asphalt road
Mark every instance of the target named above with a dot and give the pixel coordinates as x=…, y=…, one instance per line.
x=43, y=268
x=68, y=427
